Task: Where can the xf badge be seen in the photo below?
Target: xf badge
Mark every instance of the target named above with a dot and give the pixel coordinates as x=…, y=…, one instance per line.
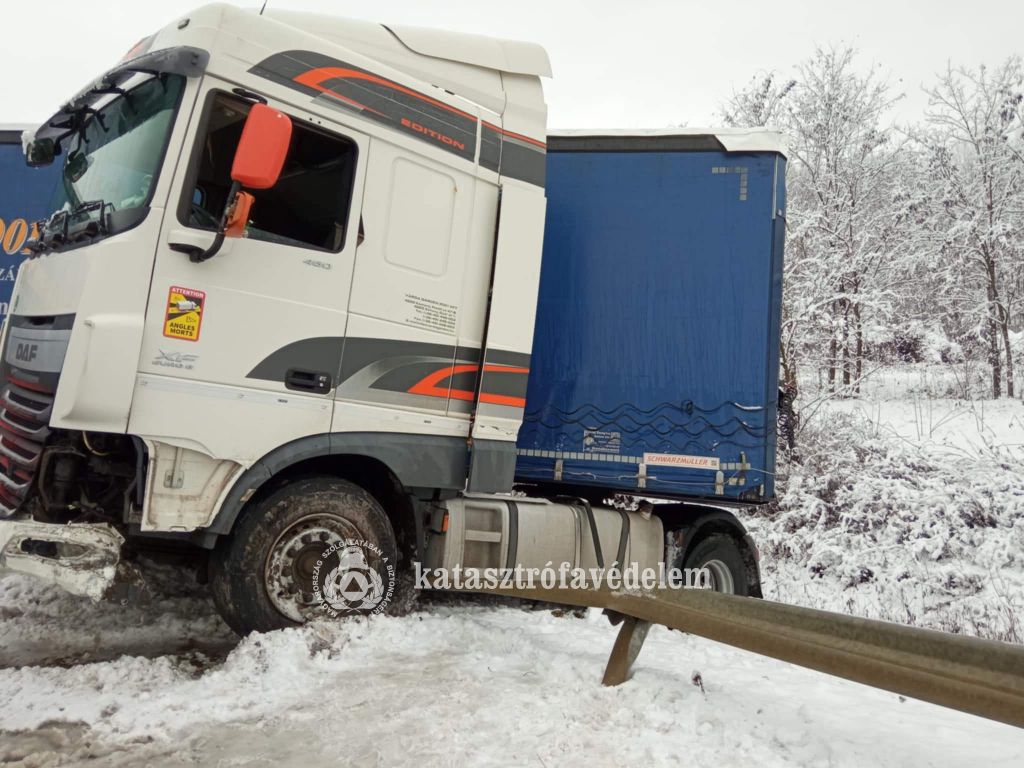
x=180, y=360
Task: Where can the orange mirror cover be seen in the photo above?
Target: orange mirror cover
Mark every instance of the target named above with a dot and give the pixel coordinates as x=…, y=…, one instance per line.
x=262, y=148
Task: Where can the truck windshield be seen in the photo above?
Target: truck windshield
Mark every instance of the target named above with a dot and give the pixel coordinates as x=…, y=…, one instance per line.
x=115, y=158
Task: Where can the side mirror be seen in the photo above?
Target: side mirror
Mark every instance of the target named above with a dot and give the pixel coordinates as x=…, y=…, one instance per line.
x=40, y=152
x=262, y=149
x=259, y=158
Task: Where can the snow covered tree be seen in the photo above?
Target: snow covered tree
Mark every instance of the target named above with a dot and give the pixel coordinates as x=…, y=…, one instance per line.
x=843, y=212
x=972, y=142
x=760, y=104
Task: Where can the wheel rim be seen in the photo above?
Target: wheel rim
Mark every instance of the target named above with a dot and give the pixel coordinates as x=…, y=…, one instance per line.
x=721, y=577
x=291, y=563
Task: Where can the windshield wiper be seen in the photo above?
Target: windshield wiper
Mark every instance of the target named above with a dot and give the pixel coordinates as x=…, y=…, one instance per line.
x=126, y=95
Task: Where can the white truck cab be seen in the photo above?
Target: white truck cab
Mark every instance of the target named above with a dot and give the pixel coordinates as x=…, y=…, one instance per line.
x=293, y=271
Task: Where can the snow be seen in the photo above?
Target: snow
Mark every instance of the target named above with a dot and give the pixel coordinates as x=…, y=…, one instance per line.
x=470, y=682
x=907, y=509
x=903, y=505
x=42, y=625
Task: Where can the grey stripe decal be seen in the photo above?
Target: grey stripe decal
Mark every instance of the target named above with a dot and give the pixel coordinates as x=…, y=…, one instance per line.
x=523, y=161
x=352, y=89
x=354, y=355
x=322, y=353
x=490, y=149
x=513, y=157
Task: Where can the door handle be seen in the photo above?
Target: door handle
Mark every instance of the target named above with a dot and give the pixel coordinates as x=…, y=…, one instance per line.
x=307, y=381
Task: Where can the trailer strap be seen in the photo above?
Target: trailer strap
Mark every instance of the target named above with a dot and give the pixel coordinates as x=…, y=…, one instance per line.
x=623, y=539
x=513, y=534
x=593, y=532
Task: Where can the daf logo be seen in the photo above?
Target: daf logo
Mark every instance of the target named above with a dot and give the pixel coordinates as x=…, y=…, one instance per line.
x=26, y=353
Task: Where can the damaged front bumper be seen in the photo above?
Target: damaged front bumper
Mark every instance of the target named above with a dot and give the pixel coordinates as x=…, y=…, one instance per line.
x=81, y=558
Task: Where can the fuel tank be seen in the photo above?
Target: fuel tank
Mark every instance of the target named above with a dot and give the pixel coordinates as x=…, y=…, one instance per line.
x=503, y=532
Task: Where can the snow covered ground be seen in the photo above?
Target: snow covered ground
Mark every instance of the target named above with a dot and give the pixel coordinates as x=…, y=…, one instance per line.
x=899, y=506
x=454, y=684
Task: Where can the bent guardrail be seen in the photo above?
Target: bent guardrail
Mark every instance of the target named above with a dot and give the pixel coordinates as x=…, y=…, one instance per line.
x=981, y=677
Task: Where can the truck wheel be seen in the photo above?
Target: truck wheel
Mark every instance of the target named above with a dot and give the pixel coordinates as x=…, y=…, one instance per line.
x=721, y=556
x=318, y=547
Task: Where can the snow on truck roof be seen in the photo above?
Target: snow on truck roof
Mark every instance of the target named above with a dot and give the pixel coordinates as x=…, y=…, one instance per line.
x=732, y=139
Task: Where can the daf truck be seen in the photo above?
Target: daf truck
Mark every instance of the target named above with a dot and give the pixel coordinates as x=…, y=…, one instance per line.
x=325, y=297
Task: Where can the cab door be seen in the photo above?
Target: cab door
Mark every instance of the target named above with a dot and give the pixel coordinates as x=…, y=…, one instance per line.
x=420, y=284
x=241, y=352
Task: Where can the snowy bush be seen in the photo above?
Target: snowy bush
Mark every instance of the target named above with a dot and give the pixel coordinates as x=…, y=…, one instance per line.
x=874, y=524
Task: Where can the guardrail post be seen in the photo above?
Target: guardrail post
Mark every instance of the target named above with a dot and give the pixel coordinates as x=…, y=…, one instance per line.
x=627, y=647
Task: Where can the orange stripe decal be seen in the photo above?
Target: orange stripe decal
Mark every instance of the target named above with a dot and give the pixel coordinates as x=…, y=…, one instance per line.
x=314, y=78
x=429, y=385
x=519, y=136
x=309, y=79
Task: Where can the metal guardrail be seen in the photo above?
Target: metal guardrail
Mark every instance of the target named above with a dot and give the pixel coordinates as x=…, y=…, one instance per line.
x=981, y=677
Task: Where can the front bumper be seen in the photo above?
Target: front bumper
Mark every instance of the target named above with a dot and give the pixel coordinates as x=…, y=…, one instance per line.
x=80, y=558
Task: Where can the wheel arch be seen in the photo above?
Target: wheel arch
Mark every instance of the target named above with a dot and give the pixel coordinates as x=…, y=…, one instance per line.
x=387, y=465
x=687, y=525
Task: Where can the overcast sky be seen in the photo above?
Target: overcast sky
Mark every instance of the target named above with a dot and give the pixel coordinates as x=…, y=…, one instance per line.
x=617, y=63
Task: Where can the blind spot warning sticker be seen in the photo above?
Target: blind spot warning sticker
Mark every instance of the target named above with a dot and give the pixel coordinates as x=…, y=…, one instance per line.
x=184, y=315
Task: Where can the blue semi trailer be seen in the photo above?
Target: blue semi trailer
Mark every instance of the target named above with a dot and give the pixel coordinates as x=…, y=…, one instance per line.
x=25, y=197
x=655, y=357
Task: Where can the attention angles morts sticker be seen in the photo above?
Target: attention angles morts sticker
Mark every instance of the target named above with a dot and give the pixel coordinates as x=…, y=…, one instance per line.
x=184, y=316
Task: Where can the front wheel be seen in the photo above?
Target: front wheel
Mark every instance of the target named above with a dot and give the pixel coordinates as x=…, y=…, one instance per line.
x=318, y=547
x=721, y=557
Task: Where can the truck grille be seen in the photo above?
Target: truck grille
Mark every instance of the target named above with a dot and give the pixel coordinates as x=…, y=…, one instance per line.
x=24, y=420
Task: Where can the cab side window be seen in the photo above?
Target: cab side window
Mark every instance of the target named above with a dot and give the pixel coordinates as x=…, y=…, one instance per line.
x=308, y=206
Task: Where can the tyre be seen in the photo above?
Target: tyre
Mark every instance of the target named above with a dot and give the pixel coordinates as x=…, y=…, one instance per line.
x=319, y=547
x=720, y=555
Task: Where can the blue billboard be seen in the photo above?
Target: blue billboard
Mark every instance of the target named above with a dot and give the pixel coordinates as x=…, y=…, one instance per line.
x=25, y=196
